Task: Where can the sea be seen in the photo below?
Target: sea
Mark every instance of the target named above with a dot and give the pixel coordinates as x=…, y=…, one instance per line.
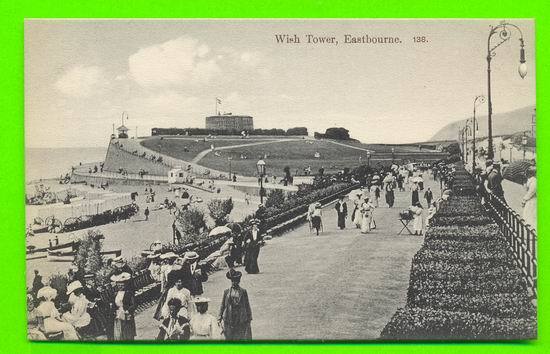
x=47, y=163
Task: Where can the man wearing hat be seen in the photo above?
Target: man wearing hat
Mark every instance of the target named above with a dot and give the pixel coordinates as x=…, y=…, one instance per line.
x=494, y=180
x=120, y=266
x=192, y=274
x=235, y=312
x=342, y=211
x=98, y=309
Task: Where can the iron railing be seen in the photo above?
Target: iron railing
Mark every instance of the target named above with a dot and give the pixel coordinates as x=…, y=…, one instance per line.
x=521, y=237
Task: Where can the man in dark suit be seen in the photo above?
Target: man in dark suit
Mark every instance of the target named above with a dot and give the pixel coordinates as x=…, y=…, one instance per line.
x=494, y=181
x=192, y=274
x=342, y=211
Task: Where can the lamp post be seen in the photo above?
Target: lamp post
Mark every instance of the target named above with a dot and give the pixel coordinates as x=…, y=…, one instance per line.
x=480, y=99
x=392, y=154
x=260, y=165
x=504, y=35
x=368, y=158
x=229, y=159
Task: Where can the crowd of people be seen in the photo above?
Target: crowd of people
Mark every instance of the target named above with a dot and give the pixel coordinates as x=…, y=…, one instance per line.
x=367, y=198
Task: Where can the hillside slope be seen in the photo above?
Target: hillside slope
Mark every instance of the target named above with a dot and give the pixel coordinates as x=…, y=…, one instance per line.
x=503, y=124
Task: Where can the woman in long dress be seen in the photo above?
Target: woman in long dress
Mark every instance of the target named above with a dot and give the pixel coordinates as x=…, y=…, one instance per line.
x=235, y=312
x=123, y=308
x=177, y=292
x=204, y=326
x=78, y=316
x=253, y=244
x=367, y=209
x=414, y=188
x=374, y=194
x=418, y=218
x=390, y=197
x=529, y=200
x=356, y=216
x=316, y=220
x=50, y=315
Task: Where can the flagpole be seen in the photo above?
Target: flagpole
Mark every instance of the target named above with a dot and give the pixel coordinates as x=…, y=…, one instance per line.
x=216, y=112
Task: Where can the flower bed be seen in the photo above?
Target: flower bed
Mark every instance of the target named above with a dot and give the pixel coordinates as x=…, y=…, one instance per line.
x=465, y=283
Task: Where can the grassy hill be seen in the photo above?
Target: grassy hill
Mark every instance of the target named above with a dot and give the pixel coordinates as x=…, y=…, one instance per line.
x=295, y=153
x=503, y=124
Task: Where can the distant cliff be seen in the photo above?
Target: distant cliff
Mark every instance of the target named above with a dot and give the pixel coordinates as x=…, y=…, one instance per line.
x=503, y=124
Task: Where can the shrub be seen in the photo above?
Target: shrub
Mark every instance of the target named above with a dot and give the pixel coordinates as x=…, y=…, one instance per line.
x=461, y=220
x=458, y=271
x=469, y=257
x=512, y=305
x=466, y=286
x=59, y=282
x=88, y=257
x=220, y=210
x=418, y=324
x=483, y=233
x=275, y=197
x=191, y=222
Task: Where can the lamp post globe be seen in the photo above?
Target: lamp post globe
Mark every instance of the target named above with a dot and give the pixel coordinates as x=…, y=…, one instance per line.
x=522, y=70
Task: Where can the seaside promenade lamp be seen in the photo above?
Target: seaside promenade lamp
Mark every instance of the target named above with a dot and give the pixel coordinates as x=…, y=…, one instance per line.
x=260, y=165
x=502, y=34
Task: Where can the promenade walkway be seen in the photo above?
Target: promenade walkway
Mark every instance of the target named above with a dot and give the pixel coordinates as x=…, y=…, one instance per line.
x=339, y=285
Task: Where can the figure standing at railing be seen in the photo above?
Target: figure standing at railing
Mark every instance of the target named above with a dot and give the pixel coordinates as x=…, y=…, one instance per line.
x=529, y=201
x=494, y=181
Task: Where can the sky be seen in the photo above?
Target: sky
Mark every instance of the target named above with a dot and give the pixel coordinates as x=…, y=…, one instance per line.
x=80, y=75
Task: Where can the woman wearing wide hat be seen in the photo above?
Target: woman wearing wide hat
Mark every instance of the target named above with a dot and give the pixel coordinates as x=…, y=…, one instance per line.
x=50, y=316
x=252, y=244
x=78, y=316
x=123, y=308
x=203, y=325
x=235, y=313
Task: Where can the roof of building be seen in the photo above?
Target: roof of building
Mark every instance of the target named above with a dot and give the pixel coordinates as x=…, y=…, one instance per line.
x=122, y=128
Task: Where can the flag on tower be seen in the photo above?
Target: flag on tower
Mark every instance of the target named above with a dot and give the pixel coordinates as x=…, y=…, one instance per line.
x=218, y=100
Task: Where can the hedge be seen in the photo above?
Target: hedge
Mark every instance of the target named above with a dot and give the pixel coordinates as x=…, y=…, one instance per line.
x=513, y=305
x=423, y=323
x=464, y=281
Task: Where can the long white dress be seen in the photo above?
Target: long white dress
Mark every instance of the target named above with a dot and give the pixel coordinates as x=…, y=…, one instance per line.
x=358, y=216
x=52, y=323
x=78, y=316
x=418, y=222
x=174, y=293
x=530, y=199
x=367, y=210
x=204, y=326
x=373, y=197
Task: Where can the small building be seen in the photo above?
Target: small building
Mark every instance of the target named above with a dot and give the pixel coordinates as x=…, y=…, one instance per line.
x=177, y=175
x=230, y=122
x=122, y=132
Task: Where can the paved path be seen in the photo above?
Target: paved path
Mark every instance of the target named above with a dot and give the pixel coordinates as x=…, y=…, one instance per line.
x=203, y=153
x=340, y=285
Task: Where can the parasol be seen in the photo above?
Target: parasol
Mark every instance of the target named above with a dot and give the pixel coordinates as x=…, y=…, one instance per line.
x=220, y=230
x=516, y=171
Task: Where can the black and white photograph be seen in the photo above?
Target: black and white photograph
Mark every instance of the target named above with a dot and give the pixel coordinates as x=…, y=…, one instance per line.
x=280, y=179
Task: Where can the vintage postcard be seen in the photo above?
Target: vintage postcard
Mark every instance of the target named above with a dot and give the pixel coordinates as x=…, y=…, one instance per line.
x=251, y=179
